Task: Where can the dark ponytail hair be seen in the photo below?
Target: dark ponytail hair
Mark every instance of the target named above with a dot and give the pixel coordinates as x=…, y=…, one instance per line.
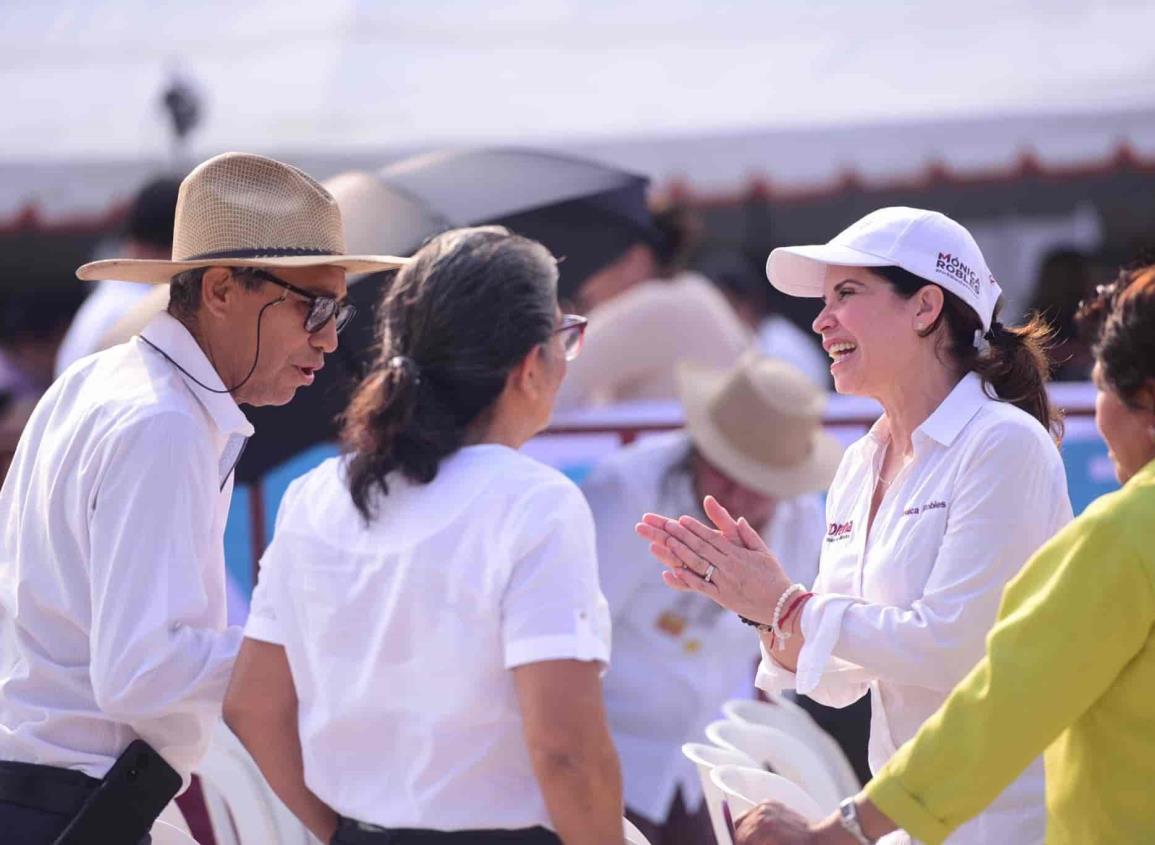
x=453, y=324
x=1014, y=367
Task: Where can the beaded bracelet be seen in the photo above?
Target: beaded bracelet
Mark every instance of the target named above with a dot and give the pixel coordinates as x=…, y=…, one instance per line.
x=794, y=605
x=779, y=617
x=781, y=636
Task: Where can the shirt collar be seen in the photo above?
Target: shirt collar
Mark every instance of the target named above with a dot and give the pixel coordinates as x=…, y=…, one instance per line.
x=948, y=419
x=954, y=412
x=169, y=335
x=1145, y=476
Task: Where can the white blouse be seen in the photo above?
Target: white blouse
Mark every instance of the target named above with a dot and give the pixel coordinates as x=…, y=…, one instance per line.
x=904, y=613
x=400, y=635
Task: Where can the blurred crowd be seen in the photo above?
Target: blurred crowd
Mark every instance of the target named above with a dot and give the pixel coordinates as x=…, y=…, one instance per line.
x=684, y=294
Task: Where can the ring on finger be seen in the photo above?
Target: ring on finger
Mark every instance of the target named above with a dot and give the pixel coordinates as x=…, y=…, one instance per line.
x=710, y=570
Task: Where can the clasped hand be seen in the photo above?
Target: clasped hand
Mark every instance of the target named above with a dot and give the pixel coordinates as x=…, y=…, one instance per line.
x=746, y=576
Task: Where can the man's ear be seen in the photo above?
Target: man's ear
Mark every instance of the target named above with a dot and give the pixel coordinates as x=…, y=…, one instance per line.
x=218, y=288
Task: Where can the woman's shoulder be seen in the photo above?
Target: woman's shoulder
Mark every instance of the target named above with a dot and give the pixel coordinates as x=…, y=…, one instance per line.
x=1003, y=427
x=327, y=474
x=1124, y=513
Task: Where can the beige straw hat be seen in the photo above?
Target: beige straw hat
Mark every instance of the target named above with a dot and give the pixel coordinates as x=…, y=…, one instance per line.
x=244, y=210
x=761, y=424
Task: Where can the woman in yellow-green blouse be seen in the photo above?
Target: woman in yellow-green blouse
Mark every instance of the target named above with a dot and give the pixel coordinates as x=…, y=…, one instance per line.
x=1070, y=664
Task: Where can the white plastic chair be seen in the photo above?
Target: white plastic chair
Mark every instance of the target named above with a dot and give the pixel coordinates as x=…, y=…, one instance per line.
x=787, y=756
x=706, y=758
x=782, y=713
x=172, y=816
x=743, y=788
x=242, y=808
x=164, y=833
x=633, y=835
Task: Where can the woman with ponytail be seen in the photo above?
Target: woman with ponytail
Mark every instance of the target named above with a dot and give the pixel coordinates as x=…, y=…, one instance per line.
x=929, y=515
x=422, y=661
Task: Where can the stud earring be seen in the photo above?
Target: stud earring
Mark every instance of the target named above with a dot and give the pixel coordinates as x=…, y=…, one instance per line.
x=918, y=327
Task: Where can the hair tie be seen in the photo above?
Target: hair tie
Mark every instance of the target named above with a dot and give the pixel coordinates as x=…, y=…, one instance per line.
x=407, y=364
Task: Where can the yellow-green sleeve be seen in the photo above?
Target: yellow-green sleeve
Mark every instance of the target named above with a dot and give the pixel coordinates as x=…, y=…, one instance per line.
x=1075, y=615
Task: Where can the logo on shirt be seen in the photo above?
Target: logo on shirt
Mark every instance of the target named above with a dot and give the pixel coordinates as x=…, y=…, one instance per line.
x=839, y=531
x=929, y=506
x=953, y=266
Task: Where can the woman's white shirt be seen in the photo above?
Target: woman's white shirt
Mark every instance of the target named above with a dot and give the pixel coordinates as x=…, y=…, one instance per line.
x=400, y=635
x=904, y=612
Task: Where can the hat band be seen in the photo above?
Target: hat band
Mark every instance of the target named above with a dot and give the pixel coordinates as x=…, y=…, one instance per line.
x=260, y=252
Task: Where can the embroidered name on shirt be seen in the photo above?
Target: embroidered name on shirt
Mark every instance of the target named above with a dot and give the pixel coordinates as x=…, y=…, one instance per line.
x=929, y=506
x=839, y=531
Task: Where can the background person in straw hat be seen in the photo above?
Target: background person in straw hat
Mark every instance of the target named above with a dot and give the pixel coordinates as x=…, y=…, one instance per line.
x=753, y=439
x=112, y=598
x=930, y=514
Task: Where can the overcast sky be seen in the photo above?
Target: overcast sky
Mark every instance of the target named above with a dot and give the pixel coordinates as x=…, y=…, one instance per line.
x=82, y=78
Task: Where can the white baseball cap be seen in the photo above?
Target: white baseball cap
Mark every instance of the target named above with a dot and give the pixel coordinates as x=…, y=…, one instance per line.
x=926, y=243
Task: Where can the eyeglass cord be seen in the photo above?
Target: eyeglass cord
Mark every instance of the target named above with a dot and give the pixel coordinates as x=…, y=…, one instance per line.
x=252, y=369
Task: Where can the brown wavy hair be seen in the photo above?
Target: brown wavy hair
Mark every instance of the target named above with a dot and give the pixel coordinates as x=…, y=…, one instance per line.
x=1119, y=322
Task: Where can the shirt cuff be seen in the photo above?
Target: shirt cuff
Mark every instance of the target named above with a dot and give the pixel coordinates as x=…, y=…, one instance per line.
x=772, y=676
x=821, y=626
x=557, y=647
x=263, y=629
x=904, y=809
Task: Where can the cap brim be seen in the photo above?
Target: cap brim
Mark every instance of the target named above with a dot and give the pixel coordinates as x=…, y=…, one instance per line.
x=161, y=272
x=800, y=270
x=697, y=384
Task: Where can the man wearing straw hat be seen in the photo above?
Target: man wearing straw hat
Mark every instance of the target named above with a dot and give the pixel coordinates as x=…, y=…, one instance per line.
x=112, y=580
x=754, y=441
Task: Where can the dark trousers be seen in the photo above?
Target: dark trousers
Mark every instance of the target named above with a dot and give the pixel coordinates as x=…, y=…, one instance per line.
x=38, y=802
x=350, y=832
x=681, y=827
x=850, y=727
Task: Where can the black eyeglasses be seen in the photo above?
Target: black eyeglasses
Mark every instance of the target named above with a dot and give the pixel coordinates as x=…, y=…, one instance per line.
x=572, y=329
x=322, y=309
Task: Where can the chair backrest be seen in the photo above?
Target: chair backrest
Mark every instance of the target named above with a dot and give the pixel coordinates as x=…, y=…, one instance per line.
x=784, y=754
x=743, y=788
x=633, y=835
x=782, y=713
x=164, y=833
x=242, y=808
x=706, y=757
x=172, y=816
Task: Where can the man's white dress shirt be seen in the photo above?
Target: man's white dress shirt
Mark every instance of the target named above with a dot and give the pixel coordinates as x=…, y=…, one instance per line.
x=677, y=656
x=401, y=634
x=904, y=612
x=112, y=572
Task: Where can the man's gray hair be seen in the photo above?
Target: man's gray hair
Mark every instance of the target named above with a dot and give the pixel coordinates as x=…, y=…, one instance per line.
x=184, y=295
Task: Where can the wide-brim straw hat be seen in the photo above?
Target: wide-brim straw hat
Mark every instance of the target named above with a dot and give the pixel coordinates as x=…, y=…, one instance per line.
x=761, y=424
x=244, y=210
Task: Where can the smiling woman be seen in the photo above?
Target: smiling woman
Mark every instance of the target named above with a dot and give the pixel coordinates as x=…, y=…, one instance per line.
x=1086, y=701
x=929, y=515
